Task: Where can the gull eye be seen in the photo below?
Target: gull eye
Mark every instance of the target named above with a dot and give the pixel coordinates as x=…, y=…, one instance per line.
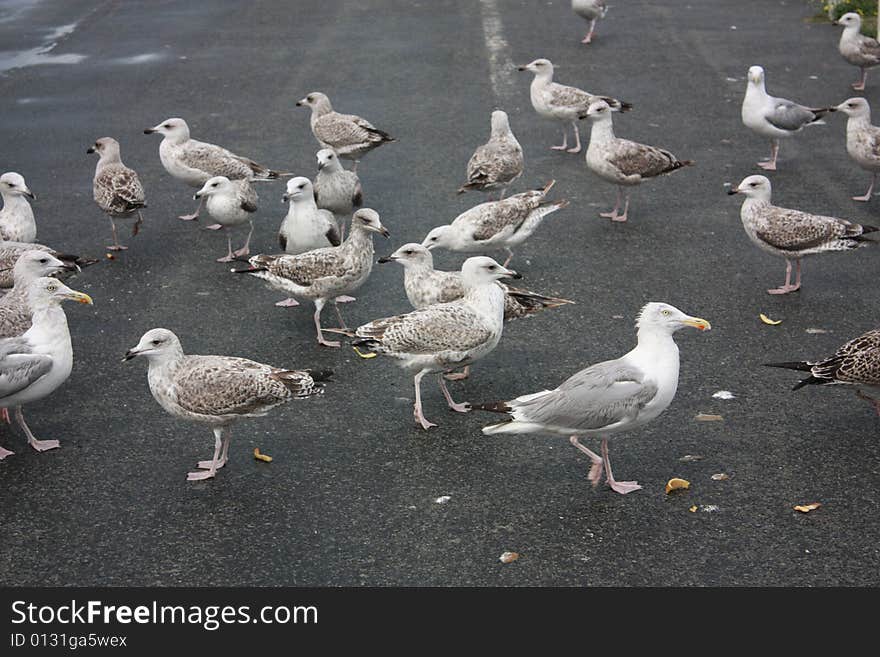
x=214, y=184
x=43, y=261
x=156, y=343
x=666, y=313
x=310, y=99
x=167, y=125
x=408, y=252
x=491, y=267
x=51, y=288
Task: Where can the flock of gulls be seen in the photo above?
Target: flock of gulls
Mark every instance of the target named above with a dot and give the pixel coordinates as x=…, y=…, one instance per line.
x=326, y=254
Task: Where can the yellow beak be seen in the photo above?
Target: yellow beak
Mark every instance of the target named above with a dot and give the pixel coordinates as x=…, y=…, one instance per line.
x=697, y=323
x=80, y=297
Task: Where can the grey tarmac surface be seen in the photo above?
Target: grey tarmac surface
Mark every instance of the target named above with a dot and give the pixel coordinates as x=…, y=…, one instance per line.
x=350, y=496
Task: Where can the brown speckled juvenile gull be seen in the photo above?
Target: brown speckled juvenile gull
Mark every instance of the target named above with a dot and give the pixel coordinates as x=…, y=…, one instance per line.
x=349, y=135
x=559, y=102
x=862, y=139
x=17, y=217
x=498, y=162
x=324, y=274
x=622, y=162
x=116, y=189
x=336, y=189
x=15, y=311
x=856, y=48
x=496, y=224
x=444, y=336
x=230, y=203
x=856, y=363
x=10, y=252
x=193, y=162
x=217, y=390
x=793, y=234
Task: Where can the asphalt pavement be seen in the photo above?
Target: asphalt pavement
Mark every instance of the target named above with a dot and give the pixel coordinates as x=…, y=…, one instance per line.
x=350, y=498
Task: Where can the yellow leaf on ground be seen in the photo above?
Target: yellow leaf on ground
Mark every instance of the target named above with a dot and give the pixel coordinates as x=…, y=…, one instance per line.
x=676, y=483
x=265, y=458
x=806, y=508
x=767, y=320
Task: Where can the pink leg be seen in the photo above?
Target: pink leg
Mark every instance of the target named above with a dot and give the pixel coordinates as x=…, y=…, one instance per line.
x=860, y=85
x=598, y=464
x=564, y=142
x=613, y=213
x=770, y=165
x=577, y=139
x=195, y=215
x=339, y=315
x=589, y=37
x=246, y=249
x=622, y=217
x=788, y=287
x=874, y=402
x=39, y=445
x=4, y=453
x=229, y=257
x=867, y=196
x=224, y=454
x=417, y=407
x=5, y=415
x=199, y=475
x=509, y=256
x=289, y=302
x=319, y=306
x=459, y=376
x=458, y=408
x=116, y=245
x=214, y=227
x=622, y=487
x=136, y=228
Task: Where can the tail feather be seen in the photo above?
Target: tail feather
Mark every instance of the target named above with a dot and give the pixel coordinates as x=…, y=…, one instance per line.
x=300, y=383
x=801, y=366
x=492, y=407
x=809, y=381
x=320, y=376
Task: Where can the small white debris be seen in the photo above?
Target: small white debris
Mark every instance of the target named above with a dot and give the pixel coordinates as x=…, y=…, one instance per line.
x=709, y=508
x=818, y=331
x=508, y=557
x=731, y=79
x=724, y=394
x=814, y=77
x=687, y=458
x=721, y=476
x=443, y=499
x=733, y=27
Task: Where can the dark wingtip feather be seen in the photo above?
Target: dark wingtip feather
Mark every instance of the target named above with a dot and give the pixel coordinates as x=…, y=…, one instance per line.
x=799, y=365
x=320, y=376
x=492, y=407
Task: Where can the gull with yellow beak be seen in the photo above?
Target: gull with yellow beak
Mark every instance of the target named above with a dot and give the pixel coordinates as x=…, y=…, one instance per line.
x=34, y=365
x=609, y=397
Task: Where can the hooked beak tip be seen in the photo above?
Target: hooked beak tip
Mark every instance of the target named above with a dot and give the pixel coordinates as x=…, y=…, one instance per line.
x=731, y=192
x=148, y=131
x=90, y=150
x=384, y=260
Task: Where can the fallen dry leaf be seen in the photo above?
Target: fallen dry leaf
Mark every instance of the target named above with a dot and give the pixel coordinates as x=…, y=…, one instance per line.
x=721, y=476
x=265, y=458
x=508, y=557
x=676, y=483
x=110, y=256
x=693, y=509
x=767, y=320
x=806, y=508
x=708, y=417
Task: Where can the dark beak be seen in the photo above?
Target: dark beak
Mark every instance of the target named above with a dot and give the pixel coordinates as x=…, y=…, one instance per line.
x=90, y=150
x=320, y=165
x=384, y=232
x=385, y=259
x=299, y=103
x=129, y=355
x=731, y=192
x=285, y=198
x=520, y=68
x=514, y=275
x=31, y=195
x=197, y=196
x=148, y=131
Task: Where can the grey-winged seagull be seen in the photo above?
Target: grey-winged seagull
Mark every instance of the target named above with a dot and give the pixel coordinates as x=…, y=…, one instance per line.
x=336, y=189
x=116, y=188
x=230, y=203
x=498, y=162
x=35, y=364
x=856, y=48
x=443, y=336
x=17, y=217
x=496, y=224
x=774, y=118
x=217, y=390
x=558, y=102
x=193, y=162
x=607, y=398
x=622, y=162
x=862, y=139
x=349, y=135
x=793, y=234
x=590, y=10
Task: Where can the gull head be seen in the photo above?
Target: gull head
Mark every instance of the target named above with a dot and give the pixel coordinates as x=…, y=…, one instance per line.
x=107, y=148
x=214, y=186
x=173, y=129
x=756, y=75
x=599, y=111
x=757, y=187
x=500, y=123
x=156, y=344
x=850, y=20
x=441, y=236
x=327, y=159
x=662, y=317
x=298, y=189
x=538, y=67
x=481, y=270
x=855, y=107
x=368, y=219
x=45, y=291
x=317, y=101
x=410, y=255
x=34, y=264
x=13, y=184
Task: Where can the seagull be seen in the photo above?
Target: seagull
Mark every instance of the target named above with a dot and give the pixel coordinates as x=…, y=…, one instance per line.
x=426, y=286
x=856, y=48
x=217, y=390
x=194, y=162
x=862, y=139
x=324, y=274
x=496, y=224
x=10, y=252
x=16, y=218
x=558, y=102
x=793, y=234
x=774, y=118
x=230, y=203
x=498, y=162
x=15, y=311
x=116, y=189
x=349, y=135
x=591, y=10
x=856, y=363
x=609, y=397
x=335, y=188
x=443, y=336
x=35, y=364
x=623, y=162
